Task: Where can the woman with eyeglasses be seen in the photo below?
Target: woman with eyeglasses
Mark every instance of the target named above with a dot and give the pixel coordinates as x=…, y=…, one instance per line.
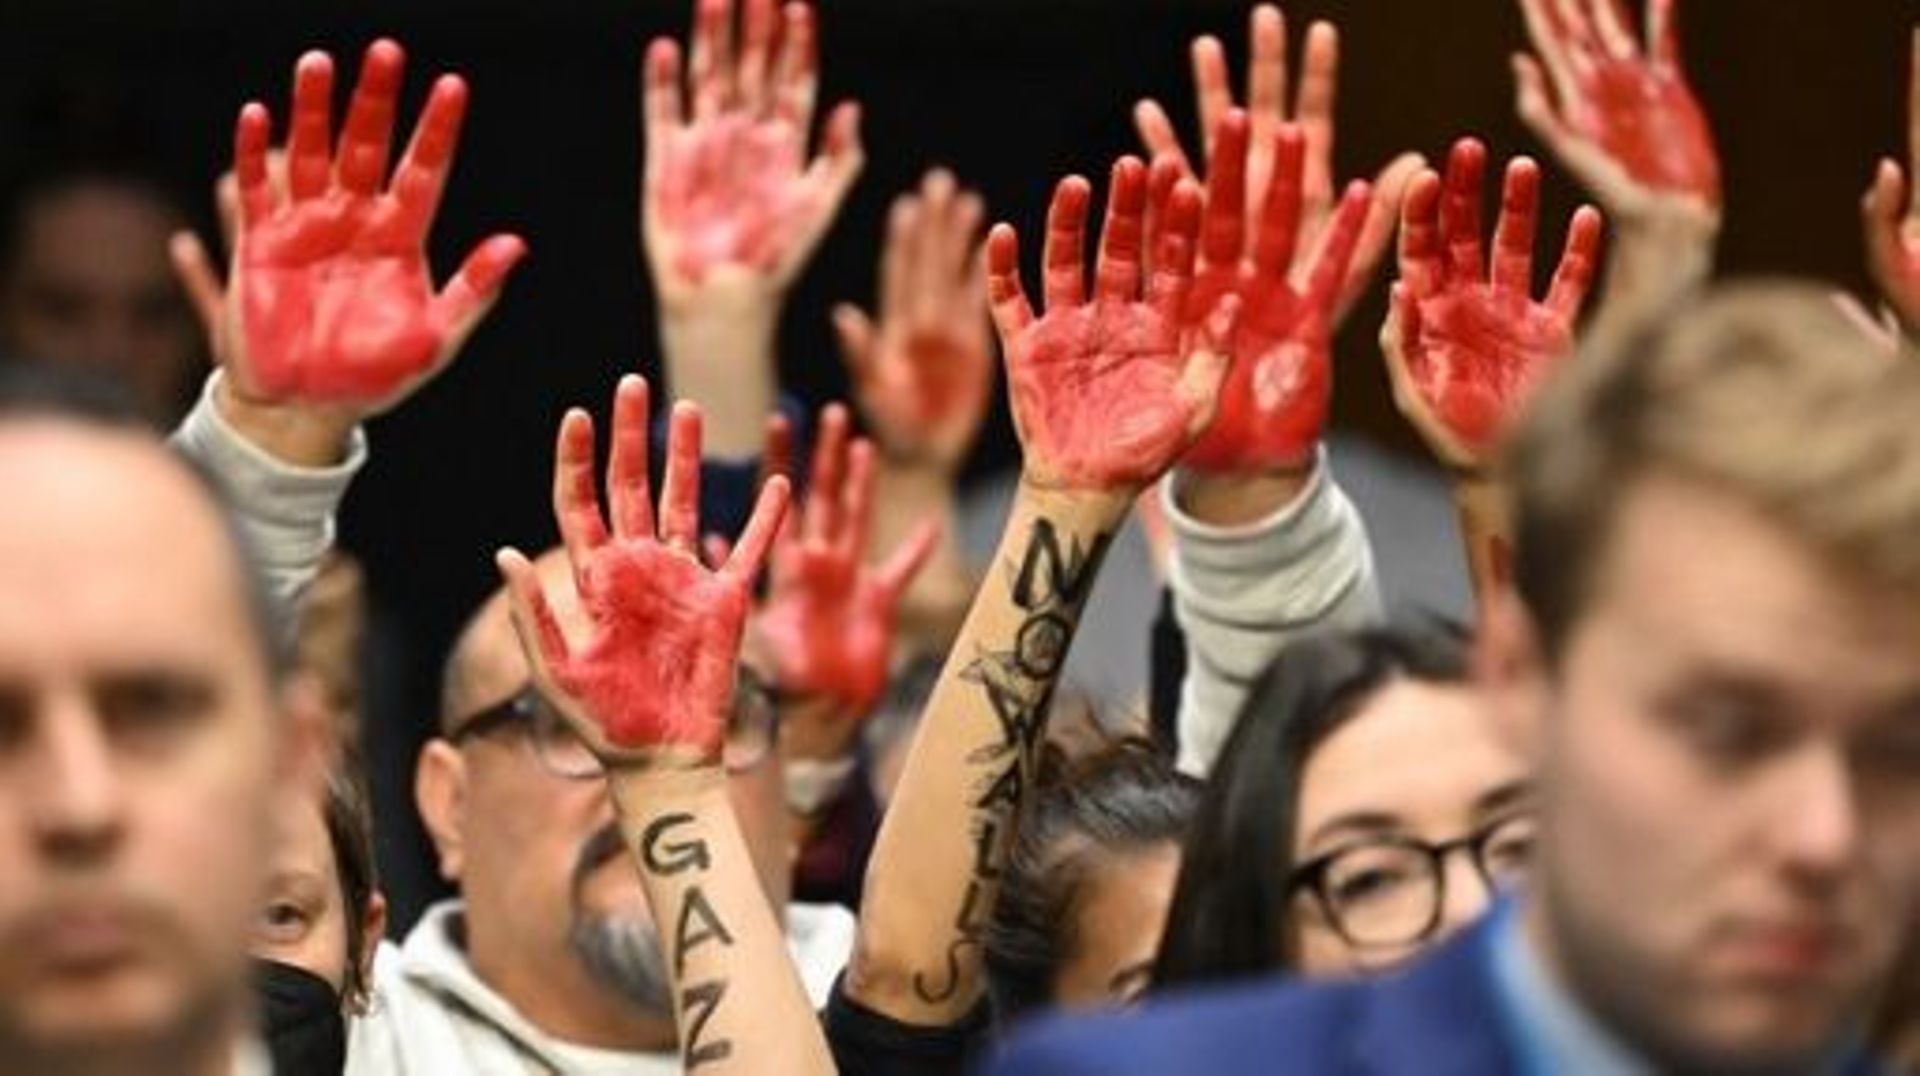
x=1364, y=807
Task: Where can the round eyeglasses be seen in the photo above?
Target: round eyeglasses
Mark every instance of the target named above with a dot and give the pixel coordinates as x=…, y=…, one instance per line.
x=753, y=730
x=1391, y=891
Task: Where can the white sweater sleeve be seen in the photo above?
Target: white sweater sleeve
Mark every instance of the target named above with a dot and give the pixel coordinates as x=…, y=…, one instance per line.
x=1241, y=594
x=285, y=511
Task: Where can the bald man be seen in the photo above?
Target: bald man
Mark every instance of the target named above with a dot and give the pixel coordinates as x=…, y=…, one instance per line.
x=143, y=736
x=549, y=961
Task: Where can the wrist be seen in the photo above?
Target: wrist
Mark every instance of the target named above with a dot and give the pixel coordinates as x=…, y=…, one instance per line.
x=1239, y=498
x=640, y=789
x=720, y=354
x=294, y=434
x=1099, y=510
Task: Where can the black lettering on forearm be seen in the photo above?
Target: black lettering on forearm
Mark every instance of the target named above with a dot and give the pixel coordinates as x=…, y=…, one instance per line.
x=679, y=856
x=699, y=924
x=1049, y=585
x=698, y=1003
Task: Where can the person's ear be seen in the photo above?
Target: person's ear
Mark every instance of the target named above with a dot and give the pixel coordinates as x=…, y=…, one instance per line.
x=309, y=746
x=373, y=928
x=440, y=792
x=1509, y=667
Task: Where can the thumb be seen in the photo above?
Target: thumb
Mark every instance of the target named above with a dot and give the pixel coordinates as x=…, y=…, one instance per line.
x=195, y=271
x=855, y=332
x=1207, y=362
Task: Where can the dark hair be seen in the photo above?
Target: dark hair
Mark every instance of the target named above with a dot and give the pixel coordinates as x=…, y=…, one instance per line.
x=1228, y=918
x=349, y=821
x=30, y=391
x=1123, y=798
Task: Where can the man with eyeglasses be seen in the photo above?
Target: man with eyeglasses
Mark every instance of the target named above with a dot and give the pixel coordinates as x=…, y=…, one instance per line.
x=1712, y=650
x=549, y=960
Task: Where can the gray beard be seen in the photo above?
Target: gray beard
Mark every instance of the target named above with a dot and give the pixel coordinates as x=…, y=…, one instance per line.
x=624, y=956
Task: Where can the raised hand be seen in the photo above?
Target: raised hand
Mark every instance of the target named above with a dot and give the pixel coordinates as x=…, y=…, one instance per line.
x=1266, y=105
x=1275, y=399
x=330, y=302
x=1108, y=391
x=829, y=617
x=1465, y=342
x=1620, y=116
x=924, y=374
x=728, y=188
x=1891, y=215
x=653, y=676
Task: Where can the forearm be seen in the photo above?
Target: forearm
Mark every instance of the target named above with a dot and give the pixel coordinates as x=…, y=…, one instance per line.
x=931, y=882
x=285, y=505
x=905, y=496
x=1486, y=529
x=738, y=1001
x=1243, y=591
x=1658, y=259
x=718, y=346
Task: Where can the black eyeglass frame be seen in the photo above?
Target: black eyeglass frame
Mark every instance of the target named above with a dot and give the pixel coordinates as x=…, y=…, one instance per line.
x=755, y=708
x=1311, y=877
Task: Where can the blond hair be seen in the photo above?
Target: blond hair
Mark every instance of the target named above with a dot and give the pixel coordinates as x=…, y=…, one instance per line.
x=1765, y=391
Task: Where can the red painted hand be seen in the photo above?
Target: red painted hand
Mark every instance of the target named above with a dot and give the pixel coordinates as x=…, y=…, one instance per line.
x=1267, y=92
x=1464, y=345
x=1275, y=399
x=331, y=301
x=829, y=617
x=730, y=188
x=924, y=375
x=1108, y=392
x=649, y=676
x=1891, y=215
x=1627, y=124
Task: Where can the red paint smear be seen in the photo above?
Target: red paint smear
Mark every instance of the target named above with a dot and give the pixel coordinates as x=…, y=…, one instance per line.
x=729, y=190
x=1647, y=119
x=1481, y=352
x=1094, y=390
x=335, y=303
x=830, y=626
x=659, y=670
x=1274, y=402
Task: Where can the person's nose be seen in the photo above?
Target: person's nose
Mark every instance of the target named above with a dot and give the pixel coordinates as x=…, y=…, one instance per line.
x=1816, y=824
x=1467, y=893
x=76, y=796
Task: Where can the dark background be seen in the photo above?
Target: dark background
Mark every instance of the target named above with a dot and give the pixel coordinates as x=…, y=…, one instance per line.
x=1010, y=93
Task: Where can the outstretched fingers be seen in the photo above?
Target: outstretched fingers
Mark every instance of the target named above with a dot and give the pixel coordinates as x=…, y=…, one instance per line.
x=750, y=552
x=629, y=497
x=856, y=503
x=576, y=507
x=663, y=101
x=820, y=514
x=1172, y=279
x=1578, y=262
x=1279, y=227
x=1223, y=227
x=475, y=287
x=366, y=138
x=1337, y=247
x=1513, y=236
x=309, y=138
x=421, y=176
x=251, y=133
x=1063, y=272
x=1157, y=134
x=533, y=618
x=1422, y=268
x=1460, y=210
x=1006, y=296
x=897, y=572
x=1117, y=268
x=712, y=58
x=680, y=488
x=194, y=269
x=796, y=70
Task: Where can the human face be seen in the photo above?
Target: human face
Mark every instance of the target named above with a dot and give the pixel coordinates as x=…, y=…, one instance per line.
x=1418, y=762
x=1729, y=753
x=551, y=867
x=1118, y=920
x=303, y=920
x=138, y=748
x=90, y=285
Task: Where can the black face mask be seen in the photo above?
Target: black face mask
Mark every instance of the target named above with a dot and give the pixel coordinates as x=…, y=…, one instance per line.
x=306, y=1033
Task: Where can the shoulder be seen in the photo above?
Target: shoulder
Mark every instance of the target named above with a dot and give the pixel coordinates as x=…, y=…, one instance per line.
x=1268, y=1027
